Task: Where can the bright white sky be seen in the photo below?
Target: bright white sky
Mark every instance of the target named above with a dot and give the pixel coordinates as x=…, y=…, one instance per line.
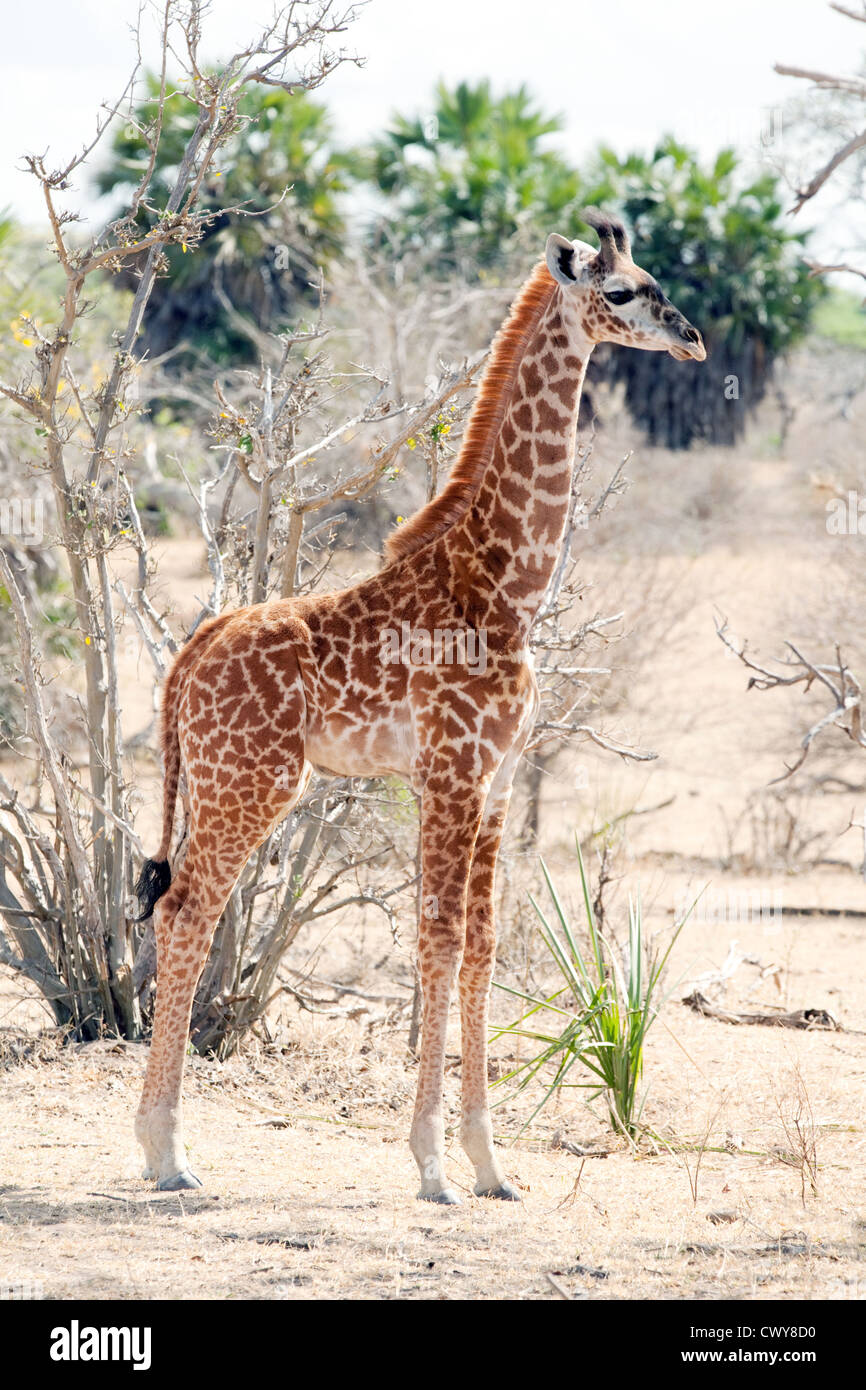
x=620, y=71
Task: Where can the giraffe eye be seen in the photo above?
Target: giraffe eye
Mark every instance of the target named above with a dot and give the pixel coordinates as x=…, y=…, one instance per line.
x=619, y=296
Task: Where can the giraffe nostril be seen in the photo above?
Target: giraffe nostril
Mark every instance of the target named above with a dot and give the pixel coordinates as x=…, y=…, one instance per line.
x=691, y=335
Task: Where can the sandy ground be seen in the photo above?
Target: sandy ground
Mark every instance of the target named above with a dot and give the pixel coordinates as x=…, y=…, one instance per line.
x=309, y=1184
x=301, y=1143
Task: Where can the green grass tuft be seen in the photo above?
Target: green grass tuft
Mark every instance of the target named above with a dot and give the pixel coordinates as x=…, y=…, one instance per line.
x=600, y=1016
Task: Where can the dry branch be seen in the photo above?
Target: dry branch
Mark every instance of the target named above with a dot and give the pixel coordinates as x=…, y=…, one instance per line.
x=811, y=1019
x=838, y=680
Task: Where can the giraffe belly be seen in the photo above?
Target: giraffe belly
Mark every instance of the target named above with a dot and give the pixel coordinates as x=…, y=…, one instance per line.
x=354, y=749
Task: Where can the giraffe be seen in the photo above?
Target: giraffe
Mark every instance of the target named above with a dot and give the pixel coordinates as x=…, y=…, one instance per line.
x=313, y=682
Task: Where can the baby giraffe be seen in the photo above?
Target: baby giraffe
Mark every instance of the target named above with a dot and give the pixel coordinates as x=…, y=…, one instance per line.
x=360, y=683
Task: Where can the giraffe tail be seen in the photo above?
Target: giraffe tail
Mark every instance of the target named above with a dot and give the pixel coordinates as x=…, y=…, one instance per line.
x=151, y=883
x=155, y=876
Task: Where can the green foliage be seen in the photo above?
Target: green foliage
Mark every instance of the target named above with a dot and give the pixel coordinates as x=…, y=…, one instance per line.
x=55, y=615
x=7, y=227
x=841, y=316
x=604, y=1009
x=722, y=254
x=719, y=247
x=468, y=184
x=280, y=166
x=154, y=514
x=476, y=174
x=61, y=629
x=30, y=285
x=467, y=177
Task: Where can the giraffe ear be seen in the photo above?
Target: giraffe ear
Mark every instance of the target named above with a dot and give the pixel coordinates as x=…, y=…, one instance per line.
x=561, y=259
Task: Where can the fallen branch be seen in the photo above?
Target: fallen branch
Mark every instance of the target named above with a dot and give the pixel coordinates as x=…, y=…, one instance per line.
x=813, y=1020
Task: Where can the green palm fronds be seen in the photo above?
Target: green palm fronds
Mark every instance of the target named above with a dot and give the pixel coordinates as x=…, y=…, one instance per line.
x=603, y=1010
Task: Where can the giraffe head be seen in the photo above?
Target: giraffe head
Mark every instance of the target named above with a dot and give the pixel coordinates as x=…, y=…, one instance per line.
x=620, y=303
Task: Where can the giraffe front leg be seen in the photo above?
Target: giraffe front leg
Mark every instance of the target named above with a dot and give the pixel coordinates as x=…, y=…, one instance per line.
x=447, y=837
x=438, y=954
x=476, y=975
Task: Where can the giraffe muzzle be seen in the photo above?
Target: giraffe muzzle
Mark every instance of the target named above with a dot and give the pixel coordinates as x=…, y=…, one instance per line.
x=689, y=346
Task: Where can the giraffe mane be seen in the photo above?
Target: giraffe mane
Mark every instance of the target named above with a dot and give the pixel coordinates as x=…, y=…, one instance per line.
x=485, y=421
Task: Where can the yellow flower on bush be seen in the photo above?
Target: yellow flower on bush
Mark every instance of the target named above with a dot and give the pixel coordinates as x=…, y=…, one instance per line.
x=20, y=330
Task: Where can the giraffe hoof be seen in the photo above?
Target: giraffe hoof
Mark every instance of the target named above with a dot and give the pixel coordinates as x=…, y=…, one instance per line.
x=446, y=1198
x=181, y=1182
x=505, y=1192
x=148, y=1174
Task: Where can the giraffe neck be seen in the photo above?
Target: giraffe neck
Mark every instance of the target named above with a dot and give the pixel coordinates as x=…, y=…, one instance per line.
x=505, y=549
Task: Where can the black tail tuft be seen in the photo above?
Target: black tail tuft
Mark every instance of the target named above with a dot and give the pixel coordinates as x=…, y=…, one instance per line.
x=151, y=883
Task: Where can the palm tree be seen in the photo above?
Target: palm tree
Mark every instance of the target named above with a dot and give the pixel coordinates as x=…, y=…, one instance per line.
x=471, y=174
x=254, y=265
x=719, y=246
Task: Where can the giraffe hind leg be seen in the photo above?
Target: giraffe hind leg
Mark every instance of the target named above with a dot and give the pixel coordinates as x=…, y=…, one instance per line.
x=184, y=921
x=164, y=915
x=476, y=976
